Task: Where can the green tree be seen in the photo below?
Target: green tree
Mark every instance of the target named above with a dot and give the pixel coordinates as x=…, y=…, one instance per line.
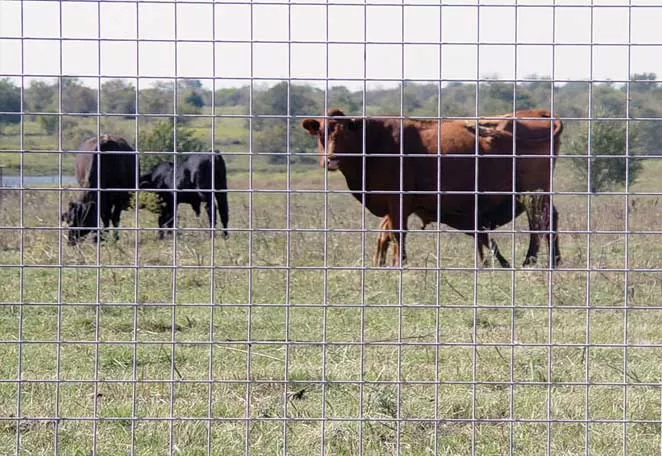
x=195, y=99
x=49, y=123
x=495, y=97
x=458, y=99
x=270, y=134
x=190, y=91
x=10, y=101
x=41, y=96
x=340, y=96
x=76, y=97
x=608, y=101
x=274, y=101
x=572, y=99
x=272, y=142
x=158, y=99
x=233, y=97
x=118, y=97
x=160, y=137
x=608, y=164
x=194, y=84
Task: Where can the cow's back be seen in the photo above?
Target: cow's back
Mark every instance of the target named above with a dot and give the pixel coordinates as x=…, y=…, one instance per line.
x=201, y=168
x=118, y=170
x=450, y=166
x=162, y=176
x=455, y=158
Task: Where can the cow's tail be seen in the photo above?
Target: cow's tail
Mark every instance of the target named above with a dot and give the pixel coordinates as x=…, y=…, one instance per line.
x=558, y=129
x=221, y=183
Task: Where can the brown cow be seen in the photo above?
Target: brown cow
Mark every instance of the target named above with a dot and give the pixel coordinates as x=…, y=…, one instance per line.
x=528, y=129
x=418, y=168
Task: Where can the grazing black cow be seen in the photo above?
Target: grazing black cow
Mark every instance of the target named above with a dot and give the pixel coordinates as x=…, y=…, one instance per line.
x=116, y=171
x=193, y=172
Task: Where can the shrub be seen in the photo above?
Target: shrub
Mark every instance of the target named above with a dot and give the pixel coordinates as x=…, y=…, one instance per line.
x=160, y=137
x=607, y=154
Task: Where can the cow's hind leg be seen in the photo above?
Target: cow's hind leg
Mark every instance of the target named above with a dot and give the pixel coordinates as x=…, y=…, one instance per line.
x=533, y=214
x=553, y=238
x=539, y=215
x=223, y=211
x=398, y=235
x=210, y=208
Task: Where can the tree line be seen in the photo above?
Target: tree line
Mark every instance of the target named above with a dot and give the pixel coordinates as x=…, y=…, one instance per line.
x=640, y=101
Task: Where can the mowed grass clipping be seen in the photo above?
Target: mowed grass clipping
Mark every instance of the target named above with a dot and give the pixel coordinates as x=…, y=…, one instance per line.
x=284, y=335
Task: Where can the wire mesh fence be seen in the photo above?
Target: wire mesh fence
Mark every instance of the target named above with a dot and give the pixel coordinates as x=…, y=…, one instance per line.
x=191, y=191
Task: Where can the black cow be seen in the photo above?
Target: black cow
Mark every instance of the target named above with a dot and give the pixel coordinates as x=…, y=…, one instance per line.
x=193, y=174
x=117, y=171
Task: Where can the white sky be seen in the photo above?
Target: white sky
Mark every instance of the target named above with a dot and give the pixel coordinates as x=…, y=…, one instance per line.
x=551, y=41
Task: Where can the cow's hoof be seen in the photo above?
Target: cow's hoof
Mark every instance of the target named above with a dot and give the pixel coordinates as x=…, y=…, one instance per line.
x=530, y=261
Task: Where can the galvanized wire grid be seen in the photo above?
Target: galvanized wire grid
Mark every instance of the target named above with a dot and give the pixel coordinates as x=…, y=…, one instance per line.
x=188, y=346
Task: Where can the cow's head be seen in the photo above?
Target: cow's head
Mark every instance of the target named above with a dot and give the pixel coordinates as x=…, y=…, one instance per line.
x=341, y=136
x=81, y=219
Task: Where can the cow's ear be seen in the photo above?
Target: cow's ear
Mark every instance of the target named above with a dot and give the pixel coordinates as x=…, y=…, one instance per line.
x=355, y=124
x=312, y=125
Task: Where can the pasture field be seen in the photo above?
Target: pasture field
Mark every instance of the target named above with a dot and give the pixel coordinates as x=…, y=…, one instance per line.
x=285, y=320
x=230, y=135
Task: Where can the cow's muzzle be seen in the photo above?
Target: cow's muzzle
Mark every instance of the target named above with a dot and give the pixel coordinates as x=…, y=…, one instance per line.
x=332, y=164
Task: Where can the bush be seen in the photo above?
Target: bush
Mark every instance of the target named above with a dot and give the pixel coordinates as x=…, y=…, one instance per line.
x=148, y=201
x=271, y=141
x=607, y=157
x=49, y=124
x=160, y=137
x=10, y=101
x=75, y=133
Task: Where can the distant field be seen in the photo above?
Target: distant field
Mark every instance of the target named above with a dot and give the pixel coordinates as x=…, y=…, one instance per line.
x=298, y=324
x=230, y=136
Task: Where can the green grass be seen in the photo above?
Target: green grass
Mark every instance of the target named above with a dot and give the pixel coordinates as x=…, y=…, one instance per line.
x=285, y=331
x=230, y=136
